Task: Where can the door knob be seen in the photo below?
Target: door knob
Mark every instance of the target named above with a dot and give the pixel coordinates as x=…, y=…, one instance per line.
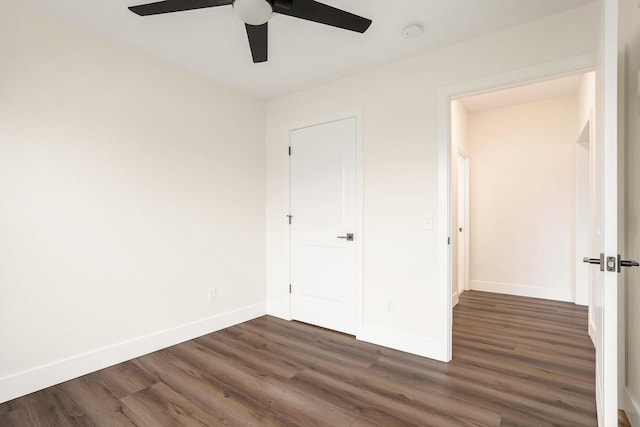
x=599, y=261
x=627, y=263
x=611, y=263
x=348, y=237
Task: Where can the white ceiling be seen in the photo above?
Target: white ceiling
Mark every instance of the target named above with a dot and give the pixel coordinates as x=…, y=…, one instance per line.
x=213, y=42
x=565, y=86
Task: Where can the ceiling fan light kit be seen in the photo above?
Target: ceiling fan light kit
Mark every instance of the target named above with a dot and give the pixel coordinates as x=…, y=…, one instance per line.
x=253, y=12
x=256, y=14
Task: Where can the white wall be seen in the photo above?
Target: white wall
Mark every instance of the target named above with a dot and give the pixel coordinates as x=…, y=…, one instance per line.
x=400, y=103
x=128, y=187
x=523, y=199
x=631, y=36
x=459, y=143
x=586, y=99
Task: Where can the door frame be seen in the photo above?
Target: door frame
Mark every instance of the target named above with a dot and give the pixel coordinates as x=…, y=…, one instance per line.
x=462, y=154
x=357, y=115
x=565, y=67
x=584, y=210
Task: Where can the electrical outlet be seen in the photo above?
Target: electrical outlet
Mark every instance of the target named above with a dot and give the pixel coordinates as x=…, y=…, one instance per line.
x=213, y=294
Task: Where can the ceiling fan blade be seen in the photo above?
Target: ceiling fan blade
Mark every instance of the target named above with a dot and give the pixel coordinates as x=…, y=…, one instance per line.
x=324, y=14
x=169, y=6
x=258, y=37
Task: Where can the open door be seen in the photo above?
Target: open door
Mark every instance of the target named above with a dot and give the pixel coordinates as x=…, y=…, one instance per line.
x=605, y=224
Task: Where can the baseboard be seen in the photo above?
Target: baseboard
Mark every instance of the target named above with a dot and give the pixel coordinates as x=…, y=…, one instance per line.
x=631, y=408
x=456, y=298
x=22, y=383
x=523, y=290
x=592, y=332
x=398, y=340
x=280, y=311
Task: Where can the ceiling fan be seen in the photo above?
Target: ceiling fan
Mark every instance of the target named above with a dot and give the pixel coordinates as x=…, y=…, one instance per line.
x=256, y=14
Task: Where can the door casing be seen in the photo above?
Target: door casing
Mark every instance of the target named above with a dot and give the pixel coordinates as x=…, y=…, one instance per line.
x=462, y=239
x=556, y=69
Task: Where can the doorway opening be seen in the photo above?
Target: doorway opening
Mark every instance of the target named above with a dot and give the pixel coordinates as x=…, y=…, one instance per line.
x=520, y=167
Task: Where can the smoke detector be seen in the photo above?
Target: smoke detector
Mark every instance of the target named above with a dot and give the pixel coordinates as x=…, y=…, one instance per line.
x=412, y=31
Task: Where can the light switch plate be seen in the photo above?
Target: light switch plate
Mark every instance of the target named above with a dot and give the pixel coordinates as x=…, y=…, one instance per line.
x=428, y=222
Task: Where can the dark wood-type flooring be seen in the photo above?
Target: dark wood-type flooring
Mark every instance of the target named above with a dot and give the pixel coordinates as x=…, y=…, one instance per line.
x=517, y=362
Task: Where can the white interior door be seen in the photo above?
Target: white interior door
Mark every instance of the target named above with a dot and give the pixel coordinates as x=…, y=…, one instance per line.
x=323, y=208
x=604, y=235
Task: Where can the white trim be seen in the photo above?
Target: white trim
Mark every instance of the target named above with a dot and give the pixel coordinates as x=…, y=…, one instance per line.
x=456, y=298
x=592, y=332
x=573, y=65
x=360, y=220
x=555, y=293
x=467, y=216
x=281, y=311
x=631, y=408
x=583, y=211
x=25, y=382
x=551, y=70
x=357, y=114
x=444, y=219
x=403, y=341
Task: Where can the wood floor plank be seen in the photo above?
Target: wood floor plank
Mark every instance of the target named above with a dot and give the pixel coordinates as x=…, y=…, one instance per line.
x=516, y=362
x=508, y=331
x=370, y=405
x=52, y=408
x=361, y=422
x=233, y=349
x=95, y=400
x=160, y=405
x=431, y=403
x=578, y=385
x=124, y=379
x=361, y=378
x=230, y=405
x=313, y=347
x=28, y=400
x=275, y=393
x=517, y=401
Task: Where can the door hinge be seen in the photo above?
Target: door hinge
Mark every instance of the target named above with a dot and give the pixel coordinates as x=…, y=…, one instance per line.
x=289, y=150
x=289, y=287
x=448, y=240
x=289, y=216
